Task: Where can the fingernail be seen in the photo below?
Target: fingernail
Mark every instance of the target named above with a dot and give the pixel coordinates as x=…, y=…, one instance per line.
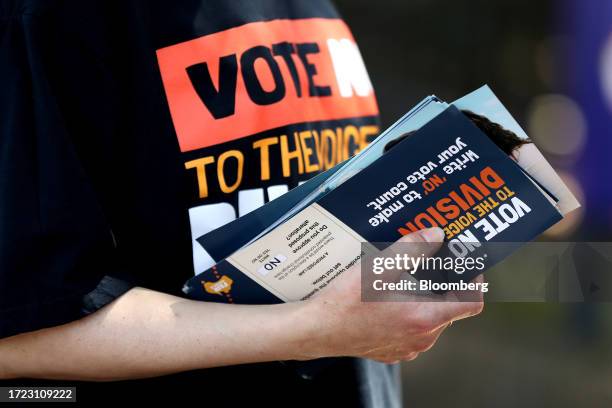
x=434, y=234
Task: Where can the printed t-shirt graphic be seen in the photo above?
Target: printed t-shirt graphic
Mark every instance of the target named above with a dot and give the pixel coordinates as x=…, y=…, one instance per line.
x=260, y=107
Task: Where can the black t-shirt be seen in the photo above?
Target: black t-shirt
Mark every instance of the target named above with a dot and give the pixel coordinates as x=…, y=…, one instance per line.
x=128, y=129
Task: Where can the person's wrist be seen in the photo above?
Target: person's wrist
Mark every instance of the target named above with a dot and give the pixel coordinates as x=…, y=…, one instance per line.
x=314, y=333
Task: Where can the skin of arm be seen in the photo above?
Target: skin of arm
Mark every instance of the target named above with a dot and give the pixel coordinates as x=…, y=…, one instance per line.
x=146, y=333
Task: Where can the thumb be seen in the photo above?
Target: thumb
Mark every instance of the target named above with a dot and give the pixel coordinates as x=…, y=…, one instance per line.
x=425, y=242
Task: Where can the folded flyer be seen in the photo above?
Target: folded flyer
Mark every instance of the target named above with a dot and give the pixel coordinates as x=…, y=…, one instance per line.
x=466, y=167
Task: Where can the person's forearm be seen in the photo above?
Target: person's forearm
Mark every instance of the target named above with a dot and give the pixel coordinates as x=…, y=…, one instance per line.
x=146, y=333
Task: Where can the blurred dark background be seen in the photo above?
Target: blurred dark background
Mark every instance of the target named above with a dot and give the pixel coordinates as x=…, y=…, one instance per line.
x=550, y=63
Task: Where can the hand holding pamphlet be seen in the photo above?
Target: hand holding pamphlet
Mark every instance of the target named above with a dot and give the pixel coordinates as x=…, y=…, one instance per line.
x=466, y=167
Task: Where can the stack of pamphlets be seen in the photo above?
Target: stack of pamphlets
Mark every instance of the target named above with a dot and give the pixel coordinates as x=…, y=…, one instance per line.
x=466, y=167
